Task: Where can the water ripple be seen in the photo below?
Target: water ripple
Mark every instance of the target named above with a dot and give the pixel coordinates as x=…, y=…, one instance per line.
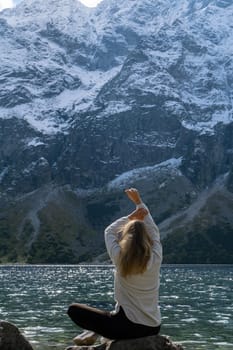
x=196, y=311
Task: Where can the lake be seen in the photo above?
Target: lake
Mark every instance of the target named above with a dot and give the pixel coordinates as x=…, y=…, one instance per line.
x=196, y=302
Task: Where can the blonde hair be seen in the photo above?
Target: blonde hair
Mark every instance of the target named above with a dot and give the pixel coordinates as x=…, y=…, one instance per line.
x=136, y=245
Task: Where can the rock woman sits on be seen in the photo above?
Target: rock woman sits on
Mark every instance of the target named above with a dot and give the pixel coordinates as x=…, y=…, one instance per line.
x=133, y=244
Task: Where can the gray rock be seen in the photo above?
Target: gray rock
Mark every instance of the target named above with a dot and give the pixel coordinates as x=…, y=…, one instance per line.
x=157, y=342
x=11, y=338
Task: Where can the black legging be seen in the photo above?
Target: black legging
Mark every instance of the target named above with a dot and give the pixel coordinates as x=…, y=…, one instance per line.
x=111, y=326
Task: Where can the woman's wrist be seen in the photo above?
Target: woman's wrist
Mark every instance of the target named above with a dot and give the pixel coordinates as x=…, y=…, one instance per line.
x=138, y=214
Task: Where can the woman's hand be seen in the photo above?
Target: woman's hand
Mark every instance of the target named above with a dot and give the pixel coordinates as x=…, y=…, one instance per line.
x=138, y=214
x=133, y=195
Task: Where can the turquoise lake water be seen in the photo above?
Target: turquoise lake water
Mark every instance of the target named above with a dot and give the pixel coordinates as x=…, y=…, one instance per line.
x=196, y=302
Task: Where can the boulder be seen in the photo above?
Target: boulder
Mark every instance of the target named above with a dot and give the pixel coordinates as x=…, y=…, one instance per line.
x=11, y=338
x=156, y=342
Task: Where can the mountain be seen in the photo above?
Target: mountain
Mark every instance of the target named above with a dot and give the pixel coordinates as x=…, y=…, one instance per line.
x=94, y=100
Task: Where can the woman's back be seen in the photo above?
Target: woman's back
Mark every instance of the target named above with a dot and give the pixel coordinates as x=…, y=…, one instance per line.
x=133, y=244
x=138, y=294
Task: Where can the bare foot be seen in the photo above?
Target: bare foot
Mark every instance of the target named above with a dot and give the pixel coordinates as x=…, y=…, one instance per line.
x=86, y=338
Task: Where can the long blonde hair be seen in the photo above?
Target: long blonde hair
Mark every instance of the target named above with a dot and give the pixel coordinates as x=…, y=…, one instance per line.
x=136, y=246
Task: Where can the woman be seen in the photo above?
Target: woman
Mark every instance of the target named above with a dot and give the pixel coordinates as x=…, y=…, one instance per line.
x=133, y=244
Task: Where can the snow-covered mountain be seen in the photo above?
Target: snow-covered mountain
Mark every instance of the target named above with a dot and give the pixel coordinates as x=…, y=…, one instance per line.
x=92, y=100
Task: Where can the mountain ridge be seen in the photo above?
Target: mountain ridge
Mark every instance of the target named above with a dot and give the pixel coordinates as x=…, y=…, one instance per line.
x=94, y=100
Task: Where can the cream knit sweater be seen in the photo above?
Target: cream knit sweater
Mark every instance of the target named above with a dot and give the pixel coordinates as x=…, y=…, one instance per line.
x=137, y=294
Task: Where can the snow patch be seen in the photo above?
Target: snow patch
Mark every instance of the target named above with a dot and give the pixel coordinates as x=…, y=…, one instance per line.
x=93, y=81
x=115, y=107
x=47, y=125
x=124, y=180
x=35, y=142
x=208, y=127
x=40, y=114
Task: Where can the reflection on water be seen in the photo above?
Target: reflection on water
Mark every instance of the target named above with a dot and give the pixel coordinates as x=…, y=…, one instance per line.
x=196, y=302
x=197, y=306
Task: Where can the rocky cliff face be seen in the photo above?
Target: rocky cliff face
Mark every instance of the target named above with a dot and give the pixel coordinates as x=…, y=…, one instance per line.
x=133, y=93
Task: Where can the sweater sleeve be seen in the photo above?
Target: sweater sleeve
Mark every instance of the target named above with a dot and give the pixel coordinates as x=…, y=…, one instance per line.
x=153, y=231
x=112, y=235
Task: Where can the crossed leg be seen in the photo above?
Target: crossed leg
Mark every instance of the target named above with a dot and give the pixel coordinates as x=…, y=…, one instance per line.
x=107, y=324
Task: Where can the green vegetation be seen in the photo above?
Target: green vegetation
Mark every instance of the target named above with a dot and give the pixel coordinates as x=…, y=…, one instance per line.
x=55, y=233
x=69, y=230
x=213, y=245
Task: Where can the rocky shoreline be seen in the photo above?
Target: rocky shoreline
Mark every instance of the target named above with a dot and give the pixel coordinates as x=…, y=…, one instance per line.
x=12, y=339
